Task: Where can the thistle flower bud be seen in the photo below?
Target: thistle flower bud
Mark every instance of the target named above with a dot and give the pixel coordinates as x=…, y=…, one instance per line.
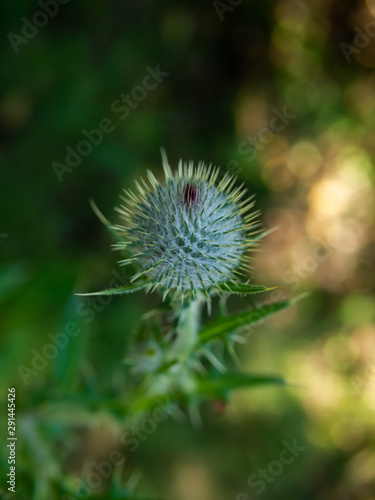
x=187, y=235
x=145, y=357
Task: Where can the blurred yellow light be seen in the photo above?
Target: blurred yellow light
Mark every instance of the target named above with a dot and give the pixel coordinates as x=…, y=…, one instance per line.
x=345, y=235
x=193, y=480
x=362, y=341
x=330, y=196
x=371, y=6
x=322, y=389
x=361, y=468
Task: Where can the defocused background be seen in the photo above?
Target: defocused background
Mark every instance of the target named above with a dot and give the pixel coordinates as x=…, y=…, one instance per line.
x=304, y=71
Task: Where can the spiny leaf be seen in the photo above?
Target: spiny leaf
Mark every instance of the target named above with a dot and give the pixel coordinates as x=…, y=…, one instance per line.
x=227, y=325
x=115, y=291
x=222, y=383
x=243, y=288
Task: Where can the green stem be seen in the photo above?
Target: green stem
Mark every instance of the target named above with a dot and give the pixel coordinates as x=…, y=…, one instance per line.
x=187, y=331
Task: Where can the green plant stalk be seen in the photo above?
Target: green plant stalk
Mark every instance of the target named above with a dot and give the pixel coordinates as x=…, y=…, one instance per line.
x=187, y=331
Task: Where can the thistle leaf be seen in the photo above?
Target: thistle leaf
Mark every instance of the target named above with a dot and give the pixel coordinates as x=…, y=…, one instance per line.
x=243, y=288
x=115, y=291
x=222, y=383
x=227, y=325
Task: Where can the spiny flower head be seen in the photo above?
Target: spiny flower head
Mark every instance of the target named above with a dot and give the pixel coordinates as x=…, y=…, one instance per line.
x=187, y=235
